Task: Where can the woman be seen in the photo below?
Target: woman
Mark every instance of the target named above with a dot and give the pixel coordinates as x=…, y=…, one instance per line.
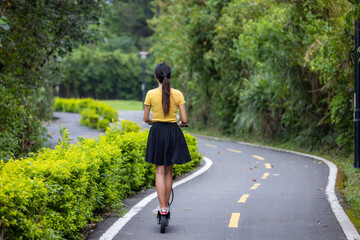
x=166, y=144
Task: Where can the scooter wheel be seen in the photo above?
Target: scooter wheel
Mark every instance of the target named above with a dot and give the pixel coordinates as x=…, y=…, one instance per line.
x=163, y=223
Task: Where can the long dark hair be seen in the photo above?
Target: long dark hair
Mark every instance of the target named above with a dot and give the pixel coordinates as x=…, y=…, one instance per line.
x=163, y=74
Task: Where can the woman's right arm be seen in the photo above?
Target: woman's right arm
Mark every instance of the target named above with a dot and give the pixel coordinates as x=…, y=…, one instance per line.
x=146, y=117
x=183, y=116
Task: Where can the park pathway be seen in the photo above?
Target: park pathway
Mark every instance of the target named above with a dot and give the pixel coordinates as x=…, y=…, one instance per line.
x=248, y=193
x=72, y=122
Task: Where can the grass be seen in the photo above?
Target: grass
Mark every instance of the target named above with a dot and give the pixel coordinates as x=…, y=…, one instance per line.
x=124, y=104
x=348, y=179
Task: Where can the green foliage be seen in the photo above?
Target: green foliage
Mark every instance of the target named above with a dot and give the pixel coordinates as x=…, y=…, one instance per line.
x=269, y=68
x=20, y=129
x=120, y=128
x=92, y=72
x=352, y=187
x=89, y=118
x=94, y=114
x=111, y=69
x=54, y=194
x=33, y=35
x=127, y=19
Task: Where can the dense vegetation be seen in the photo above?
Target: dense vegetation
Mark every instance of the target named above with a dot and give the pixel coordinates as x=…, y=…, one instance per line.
x=111, y=68
x=276, y=69
x=33, y=36
x=94, y=114
x=56, y=193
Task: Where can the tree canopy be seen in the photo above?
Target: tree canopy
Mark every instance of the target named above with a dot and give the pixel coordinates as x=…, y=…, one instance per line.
x=33, y=35
x=111, y=67
x=279, y=69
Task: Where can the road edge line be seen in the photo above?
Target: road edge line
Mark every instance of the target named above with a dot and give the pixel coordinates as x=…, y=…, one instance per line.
x=120, y=223
x=345, y=223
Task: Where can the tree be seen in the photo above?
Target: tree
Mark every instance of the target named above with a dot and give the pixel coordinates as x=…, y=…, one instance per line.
x=32, y=34
x=269, y=68
x=111, y=67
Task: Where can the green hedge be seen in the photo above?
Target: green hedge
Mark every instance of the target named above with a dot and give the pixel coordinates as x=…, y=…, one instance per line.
x=94, y=114
x=54, y=194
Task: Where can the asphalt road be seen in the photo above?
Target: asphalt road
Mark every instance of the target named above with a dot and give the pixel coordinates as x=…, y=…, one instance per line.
x=248, y=193
x=72, y=122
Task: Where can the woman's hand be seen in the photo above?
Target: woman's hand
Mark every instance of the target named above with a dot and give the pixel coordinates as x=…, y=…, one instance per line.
x=181, y=124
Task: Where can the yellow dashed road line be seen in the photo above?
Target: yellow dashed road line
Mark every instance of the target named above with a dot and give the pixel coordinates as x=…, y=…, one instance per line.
x=255, y=186
x=267, y=165
x=265, y=175
x=233, y=150
x=258, y=157
x=243, y=198
x=209, y=145
x=234, y=220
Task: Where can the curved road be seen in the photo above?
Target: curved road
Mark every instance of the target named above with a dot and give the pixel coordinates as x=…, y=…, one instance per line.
x=248, y=193
x=72, y=122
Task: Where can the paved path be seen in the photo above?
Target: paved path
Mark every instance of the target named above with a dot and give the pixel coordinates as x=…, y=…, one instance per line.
x=135, y=116
x=248, y=193
x=72, y=122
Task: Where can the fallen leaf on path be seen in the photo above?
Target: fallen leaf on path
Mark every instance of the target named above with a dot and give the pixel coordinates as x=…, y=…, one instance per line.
x=254, y=180
x=251, y=169
x=219, y=152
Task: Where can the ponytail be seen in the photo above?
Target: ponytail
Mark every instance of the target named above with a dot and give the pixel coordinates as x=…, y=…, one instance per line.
x=166, y=96
x=163, y=74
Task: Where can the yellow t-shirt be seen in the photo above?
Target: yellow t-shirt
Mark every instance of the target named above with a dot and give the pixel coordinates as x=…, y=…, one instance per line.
x=154, y=99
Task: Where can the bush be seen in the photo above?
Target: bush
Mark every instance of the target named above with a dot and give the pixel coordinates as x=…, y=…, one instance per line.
x=21, y=129
x=54, y=194
x=89, y=118
x=94, y=114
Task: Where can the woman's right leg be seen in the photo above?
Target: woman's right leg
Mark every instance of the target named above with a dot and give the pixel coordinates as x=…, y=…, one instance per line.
x=164, y=184
x=168, y=182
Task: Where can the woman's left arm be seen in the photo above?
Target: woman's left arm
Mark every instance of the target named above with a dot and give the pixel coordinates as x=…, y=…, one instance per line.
x=146, y=117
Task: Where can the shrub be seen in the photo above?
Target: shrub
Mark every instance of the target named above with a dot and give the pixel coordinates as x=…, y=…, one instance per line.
x=55, y=193
x=89, y=118
x=90, y=110
x=119, y=128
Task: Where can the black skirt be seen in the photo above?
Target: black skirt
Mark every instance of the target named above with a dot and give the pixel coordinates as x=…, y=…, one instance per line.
x=166, y=145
